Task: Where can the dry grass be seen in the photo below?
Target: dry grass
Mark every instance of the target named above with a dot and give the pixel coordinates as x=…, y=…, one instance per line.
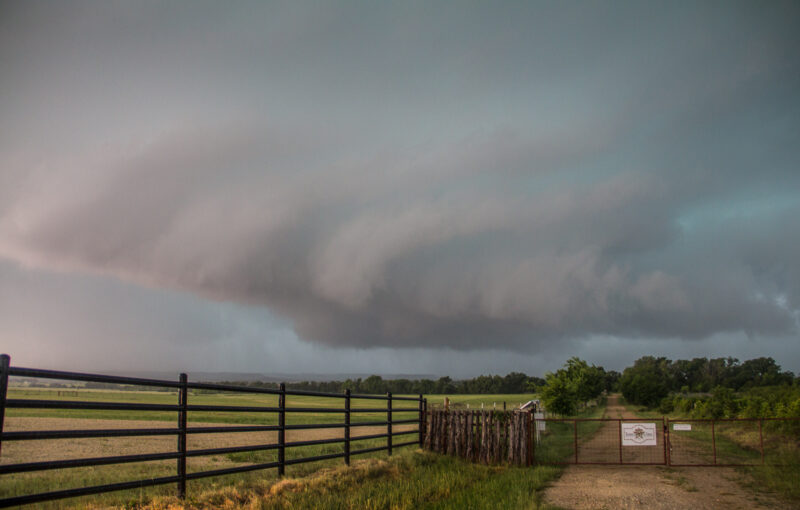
x=258, y=495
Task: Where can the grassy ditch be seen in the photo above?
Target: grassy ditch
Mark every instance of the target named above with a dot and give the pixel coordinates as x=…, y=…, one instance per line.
x=408, y=480
x=411, y=480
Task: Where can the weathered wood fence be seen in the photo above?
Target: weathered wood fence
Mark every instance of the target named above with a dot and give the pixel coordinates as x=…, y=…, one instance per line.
x=487, y=437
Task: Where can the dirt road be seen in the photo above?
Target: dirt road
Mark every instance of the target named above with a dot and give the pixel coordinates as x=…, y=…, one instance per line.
x=651, y=487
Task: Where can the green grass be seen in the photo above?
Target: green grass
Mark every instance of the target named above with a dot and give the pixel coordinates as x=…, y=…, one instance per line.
x=557, y=444
x=412, y=480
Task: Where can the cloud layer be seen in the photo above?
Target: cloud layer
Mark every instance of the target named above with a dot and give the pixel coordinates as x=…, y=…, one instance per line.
x=418, y=177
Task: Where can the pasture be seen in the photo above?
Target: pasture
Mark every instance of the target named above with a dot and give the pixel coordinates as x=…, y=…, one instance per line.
x=65, y=419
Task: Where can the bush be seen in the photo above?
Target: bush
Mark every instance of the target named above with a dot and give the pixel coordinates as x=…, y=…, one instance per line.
x=666, y=406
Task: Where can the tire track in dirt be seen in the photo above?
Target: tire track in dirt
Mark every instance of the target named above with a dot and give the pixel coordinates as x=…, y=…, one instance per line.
x=652, y=487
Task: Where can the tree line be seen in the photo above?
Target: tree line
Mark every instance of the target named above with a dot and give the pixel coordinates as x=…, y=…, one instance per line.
x=700, y=387
x=651, y=379
x=514, y=382
x=713, y=388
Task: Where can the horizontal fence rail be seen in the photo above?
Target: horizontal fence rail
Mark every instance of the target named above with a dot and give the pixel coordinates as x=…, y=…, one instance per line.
x=182, y=429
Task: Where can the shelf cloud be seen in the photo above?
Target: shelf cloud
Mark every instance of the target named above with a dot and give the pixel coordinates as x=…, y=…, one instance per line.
x=416, y=175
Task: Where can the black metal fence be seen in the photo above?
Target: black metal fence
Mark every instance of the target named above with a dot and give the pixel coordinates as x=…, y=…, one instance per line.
x=181, y=430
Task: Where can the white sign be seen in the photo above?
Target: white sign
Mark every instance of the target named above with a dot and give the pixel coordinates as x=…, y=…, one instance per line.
x=540, y=423
x=639, y=434
x=682, y=426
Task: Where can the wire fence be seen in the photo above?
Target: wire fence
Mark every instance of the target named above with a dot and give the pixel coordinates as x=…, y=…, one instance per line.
x=393, y=406
x=667, y=441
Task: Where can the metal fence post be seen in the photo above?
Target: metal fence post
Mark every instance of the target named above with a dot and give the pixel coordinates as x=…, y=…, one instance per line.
x=389, y=420
x=760, y=437
x=5, y=362
x=182, y=402
x=575, y=431
x=714, y=442
x=421, y=424
x=282, y=430
x=347, y=426
x=668, y=445
x=620, y=440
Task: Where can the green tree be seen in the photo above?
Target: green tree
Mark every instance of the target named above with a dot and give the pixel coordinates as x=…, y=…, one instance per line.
x=578, y=382
x=559, y=394
x=646, y=382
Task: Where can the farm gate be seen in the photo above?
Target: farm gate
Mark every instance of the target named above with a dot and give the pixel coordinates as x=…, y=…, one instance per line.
x=663, y=441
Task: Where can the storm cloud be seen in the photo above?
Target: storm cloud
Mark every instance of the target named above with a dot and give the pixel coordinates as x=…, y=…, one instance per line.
x=416, y=174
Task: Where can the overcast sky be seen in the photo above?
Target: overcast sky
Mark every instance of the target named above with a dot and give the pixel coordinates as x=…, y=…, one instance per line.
x=445, y=188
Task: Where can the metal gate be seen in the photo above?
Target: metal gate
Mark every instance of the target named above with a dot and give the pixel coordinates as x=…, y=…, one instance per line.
x=600, y=441
x=731, y=442
x=664, y=441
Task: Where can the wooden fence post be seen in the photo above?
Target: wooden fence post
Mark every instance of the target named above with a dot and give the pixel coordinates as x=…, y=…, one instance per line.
x=497, y=441
x=510, y=438
x=434, y=428
x=445, y=431
x=470, y=437
x=450, y=434
x=456, y=433
x=528, y=439
x=489, y=436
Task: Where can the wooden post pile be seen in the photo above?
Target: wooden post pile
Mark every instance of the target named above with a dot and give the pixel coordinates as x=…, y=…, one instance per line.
x=486, y=437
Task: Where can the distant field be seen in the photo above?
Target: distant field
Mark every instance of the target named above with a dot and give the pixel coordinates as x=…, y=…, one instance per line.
x=489, y=401
x=242, y=399
x=47, y=419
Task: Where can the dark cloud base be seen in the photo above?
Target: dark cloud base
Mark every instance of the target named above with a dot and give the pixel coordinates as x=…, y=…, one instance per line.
x=491, y=182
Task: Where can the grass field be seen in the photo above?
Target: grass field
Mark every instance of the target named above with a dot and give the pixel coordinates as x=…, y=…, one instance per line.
x=44, y=419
